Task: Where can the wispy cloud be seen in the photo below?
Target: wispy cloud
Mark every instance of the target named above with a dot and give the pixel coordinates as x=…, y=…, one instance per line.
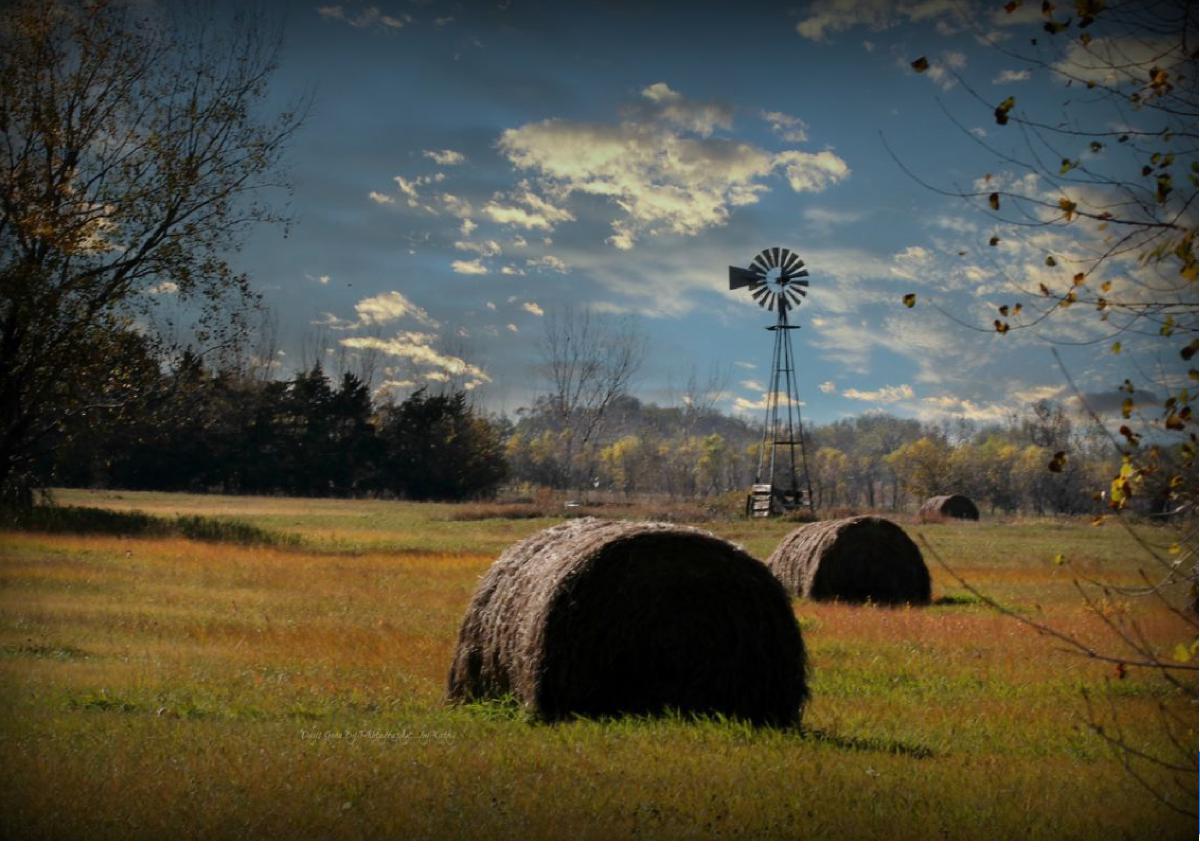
x=363, y=17
x=787, y=128
x=445, y=157
x=661, y=168
x=826, y=17
x=416, y=349
x=525, y=209
x=474, y=267
x=391, y=306
x=1010, y=76
x=885, y=394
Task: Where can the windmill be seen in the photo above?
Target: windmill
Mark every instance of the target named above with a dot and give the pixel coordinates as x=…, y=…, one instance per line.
x=778, y=280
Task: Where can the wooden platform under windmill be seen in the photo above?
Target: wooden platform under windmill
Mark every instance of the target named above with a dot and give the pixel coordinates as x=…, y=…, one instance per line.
x=767, y=501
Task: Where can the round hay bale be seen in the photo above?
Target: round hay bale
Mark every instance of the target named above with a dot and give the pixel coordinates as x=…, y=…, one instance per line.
x=942, y=508
x=854, y=560
x=598, y=618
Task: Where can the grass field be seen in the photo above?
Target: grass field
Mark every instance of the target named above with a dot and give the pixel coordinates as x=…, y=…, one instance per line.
x=170, y=686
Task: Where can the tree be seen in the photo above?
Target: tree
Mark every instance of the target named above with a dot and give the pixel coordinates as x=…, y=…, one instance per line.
x=1112, y=175
x=923, y=466
x=434, y=447
x=589, y=365
x=132, y=158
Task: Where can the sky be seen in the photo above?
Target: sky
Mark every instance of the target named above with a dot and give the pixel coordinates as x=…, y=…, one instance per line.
x=469, y=169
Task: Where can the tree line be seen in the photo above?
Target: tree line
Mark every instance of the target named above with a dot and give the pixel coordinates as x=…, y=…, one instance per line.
x=1041, y=461
x=223, y=428
x=204, y=429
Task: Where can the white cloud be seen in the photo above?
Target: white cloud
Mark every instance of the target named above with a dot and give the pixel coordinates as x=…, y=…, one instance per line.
x=1031, y=395
x=696, y=116
x=743, y=405
x=787, y=128
x=381, y=198
x=828, y=387
x=826, y=217
x=445, y=157
x=164, y=287
x=533, y=309
x=1010, y=76
x=486, y=248
x=951, y=406
x=512, y=328
x=474, y=267
x=417, y=349
x=1127, y=60
x=391, y=306
x=941, y=69
x=664, y=180
x=812, y=172
x=511, y=270
x=525, y=209
x=753, y=386
x=824, y=17
x=467, y=227
x=749, y=366
x=548, y=262
x=885, y=394
x=322, y=279
x=387, y=386
x=459, y=208
x=368, y=17
x=912, y=264
x=410, y=190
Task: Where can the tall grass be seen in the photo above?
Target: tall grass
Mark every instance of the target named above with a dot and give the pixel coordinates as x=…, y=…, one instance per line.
x=161, y=686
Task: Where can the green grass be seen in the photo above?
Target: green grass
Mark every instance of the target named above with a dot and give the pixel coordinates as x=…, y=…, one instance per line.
x=76, y=519
x=160, y=686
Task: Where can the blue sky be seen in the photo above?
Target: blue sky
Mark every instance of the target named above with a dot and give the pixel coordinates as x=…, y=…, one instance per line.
x=468, y=167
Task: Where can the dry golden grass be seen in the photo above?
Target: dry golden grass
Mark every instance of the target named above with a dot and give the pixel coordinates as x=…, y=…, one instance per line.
x=171, y=688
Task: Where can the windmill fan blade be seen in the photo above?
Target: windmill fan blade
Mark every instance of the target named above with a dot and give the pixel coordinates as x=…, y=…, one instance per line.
x=763, y=261
x=792, y=266
x=789, y=257
x=741, y=278
x=772, y=305
x=776, y=255
x=759, y=292
x=762, y=301
x=783, y=300
x=754, y=265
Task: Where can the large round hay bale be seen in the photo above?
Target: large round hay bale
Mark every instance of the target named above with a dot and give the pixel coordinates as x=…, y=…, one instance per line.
x=601, y=618
x=853, y=560
x=942, y=508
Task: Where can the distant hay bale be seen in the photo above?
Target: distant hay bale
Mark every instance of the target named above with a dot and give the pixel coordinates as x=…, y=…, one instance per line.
x=854, y=560
x=942, y=508
x=597, y=618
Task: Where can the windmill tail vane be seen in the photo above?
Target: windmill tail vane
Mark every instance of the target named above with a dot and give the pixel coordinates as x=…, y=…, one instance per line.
x=777, y=280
